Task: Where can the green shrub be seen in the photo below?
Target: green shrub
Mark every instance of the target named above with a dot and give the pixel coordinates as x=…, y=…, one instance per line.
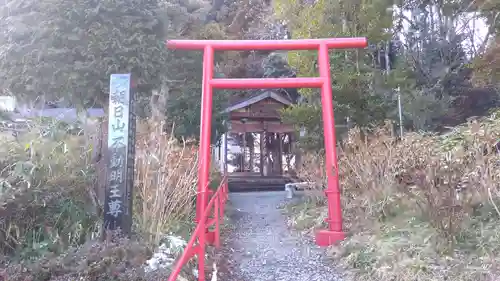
x=47, y=199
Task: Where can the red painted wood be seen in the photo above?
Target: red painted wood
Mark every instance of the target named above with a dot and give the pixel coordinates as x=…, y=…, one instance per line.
x=242, y=45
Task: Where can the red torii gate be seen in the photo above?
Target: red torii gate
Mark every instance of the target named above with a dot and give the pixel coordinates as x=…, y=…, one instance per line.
x=325, y=237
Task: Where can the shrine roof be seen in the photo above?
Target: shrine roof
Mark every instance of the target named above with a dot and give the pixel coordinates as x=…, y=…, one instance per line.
x=255, y=97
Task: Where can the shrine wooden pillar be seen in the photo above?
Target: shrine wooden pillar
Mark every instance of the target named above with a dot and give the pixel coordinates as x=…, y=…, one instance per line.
x=251, y=149
x=243, y=154
x=262, y=152
x=290, y=155
x=280, y=153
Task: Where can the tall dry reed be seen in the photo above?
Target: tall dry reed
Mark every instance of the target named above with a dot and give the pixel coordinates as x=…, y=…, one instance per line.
x=166, y=176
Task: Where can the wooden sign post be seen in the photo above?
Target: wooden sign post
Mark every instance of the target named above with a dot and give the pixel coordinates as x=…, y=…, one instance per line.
x=121, y=154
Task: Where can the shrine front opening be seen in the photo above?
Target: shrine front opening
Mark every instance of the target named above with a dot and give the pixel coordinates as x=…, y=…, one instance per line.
x=258, y=143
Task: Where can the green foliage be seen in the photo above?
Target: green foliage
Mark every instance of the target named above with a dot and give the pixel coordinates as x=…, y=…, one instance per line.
x=424, y=109
x=430, y=68
x=184, y=109
x=46, y=204
x=353, y=74
x=306, y=116
x=67, y=50
x=275, y=65
x=184, y=93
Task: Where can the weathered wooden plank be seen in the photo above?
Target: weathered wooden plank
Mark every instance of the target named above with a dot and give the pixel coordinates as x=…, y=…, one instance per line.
x=260, y=127
x=254, y=115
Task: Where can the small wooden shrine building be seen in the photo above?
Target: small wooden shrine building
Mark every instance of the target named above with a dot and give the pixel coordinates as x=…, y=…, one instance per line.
x=255, y=126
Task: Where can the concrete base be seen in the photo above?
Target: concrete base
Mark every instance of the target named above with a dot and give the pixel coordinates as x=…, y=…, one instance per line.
x=325, y=238
x=289, y=189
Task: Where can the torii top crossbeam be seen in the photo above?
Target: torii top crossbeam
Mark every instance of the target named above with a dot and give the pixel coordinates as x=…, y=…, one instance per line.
x=242, y=45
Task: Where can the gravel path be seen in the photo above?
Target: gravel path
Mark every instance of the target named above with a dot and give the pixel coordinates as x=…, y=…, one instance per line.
x=260, y=247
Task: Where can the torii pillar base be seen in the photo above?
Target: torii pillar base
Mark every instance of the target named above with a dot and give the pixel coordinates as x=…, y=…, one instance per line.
x=325, y=238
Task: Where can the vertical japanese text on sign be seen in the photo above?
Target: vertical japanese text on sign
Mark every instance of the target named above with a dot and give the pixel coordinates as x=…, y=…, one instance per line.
x=121, y=150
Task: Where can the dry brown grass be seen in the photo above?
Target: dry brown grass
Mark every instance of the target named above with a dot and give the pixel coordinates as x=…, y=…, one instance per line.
x=423, y=208
x=166, y=181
